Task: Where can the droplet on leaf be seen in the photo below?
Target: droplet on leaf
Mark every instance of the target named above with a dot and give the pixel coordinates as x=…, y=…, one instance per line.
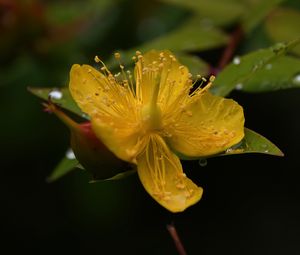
x=55, y=94
x=296, y=79
x=236, y=60
x=268, y=66
x=70, y=154
x=239, y=86
x=278, y=47
x=202, y=162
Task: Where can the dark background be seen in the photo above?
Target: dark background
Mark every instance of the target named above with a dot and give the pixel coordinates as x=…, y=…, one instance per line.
x=251, y=203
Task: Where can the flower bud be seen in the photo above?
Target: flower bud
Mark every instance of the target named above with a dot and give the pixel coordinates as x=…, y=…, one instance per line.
x=91, y=153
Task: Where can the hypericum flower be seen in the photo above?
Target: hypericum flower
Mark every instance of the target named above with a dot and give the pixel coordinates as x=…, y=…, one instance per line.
x=146, y=120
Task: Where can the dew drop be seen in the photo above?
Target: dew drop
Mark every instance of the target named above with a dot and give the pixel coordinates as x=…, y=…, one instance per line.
x=236, y=60
x=264, y=146
x=229, y=150
x=269, y=67
x=55, y=94
x=202, y=162
x=278, y=47
x=70, y=154
x=239, y=86
x=85, y=116
x=296, y=79
x=254, y=68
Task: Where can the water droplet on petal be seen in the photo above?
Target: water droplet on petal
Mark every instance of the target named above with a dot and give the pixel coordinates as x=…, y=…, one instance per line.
x=202, y=162
x=239, y=86
x=70, y=154
x=56, y=94
x=296, y=79
x=236, y=60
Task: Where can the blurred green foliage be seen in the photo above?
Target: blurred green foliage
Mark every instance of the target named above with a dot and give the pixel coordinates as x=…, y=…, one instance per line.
x=40, y=40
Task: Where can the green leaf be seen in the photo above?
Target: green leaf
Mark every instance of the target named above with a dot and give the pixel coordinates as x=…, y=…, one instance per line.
x=242, y=69
x=60, y=96
x=283, y=73
x=192, y=35
x=59, y=12
x=195, y=64
x=251, y=143
x=65, y=166
x=281, y=26
x=257, y=13
x=216, y=12
x=117, y=177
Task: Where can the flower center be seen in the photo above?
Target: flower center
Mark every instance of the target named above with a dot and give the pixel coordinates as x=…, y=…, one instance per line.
x=151, y=116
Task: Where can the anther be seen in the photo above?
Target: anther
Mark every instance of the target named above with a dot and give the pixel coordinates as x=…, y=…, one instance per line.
x=212, y=78
x=117, y=55
x=180, y=186
x=97, y=59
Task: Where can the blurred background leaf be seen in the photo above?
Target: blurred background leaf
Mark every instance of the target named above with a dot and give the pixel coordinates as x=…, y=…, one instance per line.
x=251, y=199
x=214, y=12
x=281, y=26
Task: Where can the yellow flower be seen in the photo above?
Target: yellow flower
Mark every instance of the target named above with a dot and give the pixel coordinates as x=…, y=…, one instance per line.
x=146, y=119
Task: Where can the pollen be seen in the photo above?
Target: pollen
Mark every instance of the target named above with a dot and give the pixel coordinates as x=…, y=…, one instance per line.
x=97, y=59
x=117, y=55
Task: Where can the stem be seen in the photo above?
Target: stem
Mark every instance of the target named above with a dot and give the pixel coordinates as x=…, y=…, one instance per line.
x=173, y=233
x=235, y=39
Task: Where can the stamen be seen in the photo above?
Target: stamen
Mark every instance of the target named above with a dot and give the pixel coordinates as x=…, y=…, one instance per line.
x=117, y=55
x=97, y=59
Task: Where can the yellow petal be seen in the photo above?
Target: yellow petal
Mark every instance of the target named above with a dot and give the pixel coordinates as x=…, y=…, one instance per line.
x=121, y=136
x=86, y=85
x=208, y=125
x=96, y=93
x=159, y=71
x=161, y=174
x=113, y=110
